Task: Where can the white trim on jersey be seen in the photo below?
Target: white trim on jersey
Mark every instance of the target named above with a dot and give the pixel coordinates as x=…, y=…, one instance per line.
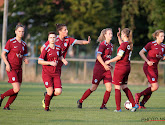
x=74, y=42
x=40, y=59
x=144, y=49
x=6, y=50
x=99, y=52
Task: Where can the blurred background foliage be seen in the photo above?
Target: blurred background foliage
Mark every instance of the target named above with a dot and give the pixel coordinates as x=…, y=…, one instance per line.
x=86, y=18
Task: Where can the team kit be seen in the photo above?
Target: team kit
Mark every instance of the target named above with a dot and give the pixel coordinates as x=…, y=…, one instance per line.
x=52, y=58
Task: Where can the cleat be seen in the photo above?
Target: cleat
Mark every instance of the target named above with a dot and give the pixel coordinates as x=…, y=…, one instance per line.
x=137, y=98
x=141, y=106
x=45, y=94
x=7, y=108
x=117, y=110
x=103, y=108
x=134, y=108
x=47, y=110
x=0, y=100
x=43, y=103
x=79, y=105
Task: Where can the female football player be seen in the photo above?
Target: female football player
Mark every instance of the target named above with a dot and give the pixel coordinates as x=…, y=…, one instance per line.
x=101, y=70
x=16, y=51
x=156, y=51
x=122, y=68
x=49, y=58
x=64, y=41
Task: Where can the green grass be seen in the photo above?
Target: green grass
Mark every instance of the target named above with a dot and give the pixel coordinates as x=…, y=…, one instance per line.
x=27, y=108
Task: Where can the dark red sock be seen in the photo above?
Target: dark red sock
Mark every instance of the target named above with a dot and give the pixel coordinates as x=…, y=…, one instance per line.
x=7, y=93
x=47, y=101
x=11, y=100
x=146, y=91
x=129, y=96
x=118, y=98
x=85, y=95
x=105, y=99
x=146, y=98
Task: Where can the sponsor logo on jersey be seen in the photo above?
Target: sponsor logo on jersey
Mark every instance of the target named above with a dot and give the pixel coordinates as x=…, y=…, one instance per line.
x=48, y=50
x=13, y=78
x=65, y=44
x=107, y=48
x=46, y=83
x=108, y=56
x=95, y=80
x=57, y=48
x=50, y=54
x=14, y=41
x=15, y=46
x=19, y=55
x=66, y=39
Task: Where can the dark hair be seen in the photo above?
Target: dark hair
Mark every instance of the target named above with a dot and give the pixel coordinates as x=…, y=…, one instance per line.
x=59, y=27
x=19, y=25
x=51, y=32
x=128, y=33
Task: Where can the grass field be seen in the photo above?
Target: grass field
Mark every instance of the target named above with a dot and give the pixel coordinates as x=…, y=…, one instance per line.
x=27, y=109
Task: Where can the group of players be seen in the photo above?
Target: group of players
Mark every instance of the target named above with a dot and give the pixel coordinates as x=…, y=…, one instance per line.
x=53, y=54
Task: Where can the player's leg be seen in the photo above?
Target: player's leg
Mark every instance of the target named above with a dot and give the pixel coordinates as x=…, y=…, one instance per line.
x=48, y=97
x=117, y=98
x=86, y=94
x=108, y=86
x=128, y=94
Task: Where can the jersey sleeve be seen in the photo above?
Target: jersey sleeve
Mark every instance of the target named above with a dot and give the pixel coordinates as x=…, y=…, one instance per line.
x=43, y=54
x=25, y=50
x=101, y=48
x=147, y=47
x=72, y=41
x=121, y=50
x=7, y=47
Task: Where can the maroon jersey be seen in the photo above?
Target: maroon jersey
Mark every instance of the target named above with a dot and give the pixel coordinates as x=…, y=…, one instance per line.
x=105, y=50
x=64, y=44
x=49, y=54
x=155, y=52
x=125, y=53
x=16, y=51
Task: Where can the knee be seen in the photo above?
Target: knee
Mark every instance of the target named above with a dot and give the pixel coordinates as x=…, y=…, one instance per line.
x=154, y=88
x=16, y=90
x=109, y=89
x=93, y=89
x=58, y=93
x=50, y=93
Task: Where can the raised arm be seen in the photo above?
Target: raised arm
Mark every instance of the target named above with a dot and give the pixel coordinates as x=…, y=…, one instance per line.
x=83, y=41
x=119, y=38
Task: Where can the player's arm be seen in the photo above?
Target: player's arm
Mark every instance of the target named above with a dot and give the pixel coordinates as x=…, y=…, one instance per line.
x=43, y=62
x=163, y=57
x=83, y=41
x=118, y=57
x=3, y=55
x=119, y=38
x=42, y=47
x=63, y=60
x=142, y=54
x=99, y=58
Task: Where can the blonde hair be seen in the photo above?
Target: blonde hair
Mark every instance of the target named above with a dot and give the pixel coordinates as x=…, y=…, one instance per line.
x=156, y=33
x=102, y=34
x=128, y=33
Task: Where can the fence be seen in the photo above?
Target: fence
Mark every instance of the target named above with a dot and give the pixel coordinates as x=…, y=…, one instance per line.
x=81, y=71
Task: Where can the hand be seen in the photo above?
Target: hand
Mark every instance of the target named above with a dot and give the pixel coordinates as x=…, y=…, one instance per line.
x=65, y=62
x=26, y=61
x=8, y=69
x=106, y=67
x=118, y=33
x=53, y=63
x=89, y=40
x=150, y=63
x=107, y=62
x=111, y=67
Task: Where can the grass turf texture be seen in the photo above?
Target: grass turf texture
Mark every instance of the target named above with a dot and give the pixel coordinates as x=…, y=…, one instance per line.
x=27, y=108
